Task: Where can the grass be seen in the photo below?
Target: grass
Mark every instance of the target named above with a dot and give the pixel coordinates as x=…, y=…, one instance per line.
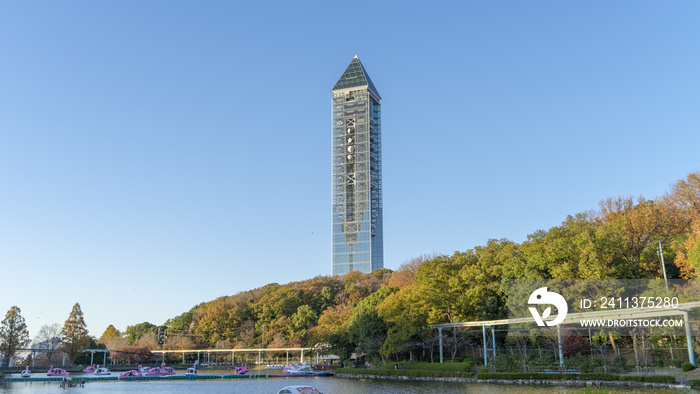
x=435, y=370
x=401, y=372
x=443, y=367
x=690, y=375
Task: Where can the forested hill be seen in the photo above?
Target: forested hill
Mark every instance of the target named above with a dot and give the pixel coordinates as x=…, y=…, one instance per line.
x=378, y=313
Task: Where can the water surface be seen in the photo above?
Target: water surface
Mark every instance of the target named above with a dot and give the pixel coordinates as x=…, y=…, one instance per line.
x=326, y=385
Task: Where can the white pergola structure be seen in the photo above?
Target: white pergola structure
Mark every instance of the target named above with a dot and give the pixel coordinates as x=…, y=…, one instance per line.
x=489, y=337
x=233, y=352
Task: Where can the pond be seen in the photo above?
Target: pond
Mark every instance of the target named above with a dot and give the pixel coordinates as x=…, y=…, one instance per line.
x=326, y=385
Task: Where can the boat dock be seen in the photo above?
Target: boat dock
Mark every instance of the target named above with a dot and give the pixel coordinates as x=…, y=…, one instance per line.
x=141, y=378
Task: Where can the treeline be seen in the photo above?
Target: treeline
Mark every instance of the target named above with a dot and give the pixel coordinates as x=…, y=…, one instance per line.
x=69, y=339
x=386, y=313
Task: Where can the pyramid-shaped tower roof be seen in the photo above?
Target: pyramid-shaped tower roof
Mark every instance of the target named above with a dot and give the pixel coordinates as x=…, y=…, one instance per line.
x=355, y=76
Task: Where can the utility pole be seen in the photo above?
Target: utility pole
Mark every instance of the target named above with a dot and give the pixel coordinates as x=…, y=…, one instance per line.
x=161, y=337
x=262, y=345
x=663, y=264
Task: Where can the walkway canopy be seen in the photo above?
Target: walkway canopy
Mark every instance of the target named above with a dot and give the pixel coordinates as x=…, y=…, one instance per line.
x=576, y=318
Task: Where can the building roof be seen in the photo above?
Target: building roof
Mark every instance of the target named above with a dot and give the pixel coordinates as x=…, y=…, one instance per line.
x=355, y=76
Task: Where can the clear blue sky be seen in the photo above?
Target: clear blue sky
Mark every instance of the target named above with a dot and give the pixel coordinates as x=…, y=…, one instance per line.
x=155, y=155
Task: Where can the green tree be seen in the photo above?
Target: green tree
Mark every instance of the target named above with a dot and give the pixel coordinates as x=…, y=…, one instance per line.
x=133, y=333
x=279, y=301
x=366, y=328
x=440, y=289
x=407, y=317
x=341, y=345
x=563, y=251
x=305, y=317
x=484, y=276
x=75, y=333
x=326, y=297
x=181, y=324
x=13, y=333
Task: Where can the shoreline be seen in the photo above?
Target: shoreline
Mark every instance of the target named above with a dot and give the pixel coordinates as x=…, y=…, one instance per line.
x=521, y=382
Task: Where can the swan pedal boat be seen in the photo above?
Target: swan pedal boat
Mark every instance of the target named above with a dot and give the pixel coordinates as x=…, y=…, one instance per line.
x=160, y=371
x=102, y=371
x=26, y=373
x=298, y=370
x=131, y=373
x=55, y=371
x=299, y=390
x=239, y=370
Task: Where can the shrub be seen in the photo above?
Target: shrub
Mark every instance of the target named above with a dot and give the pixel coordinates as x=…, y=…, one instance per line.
x=546, y=376
x=600, y=376
x=687, y=367
x=545, y=360
x=619, y=361
x=659, y=379
x=401, y=372
x=694, y=383
x=597, y=361
x=508, y=363
x=676, y=363
x=648, y=378
x=580, y=362
x=573, y=376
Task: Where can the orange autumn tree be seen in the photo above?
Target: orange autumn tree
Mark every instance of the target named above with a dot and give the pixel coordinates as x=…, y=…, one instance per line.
x=75, y=332
x=685, y=195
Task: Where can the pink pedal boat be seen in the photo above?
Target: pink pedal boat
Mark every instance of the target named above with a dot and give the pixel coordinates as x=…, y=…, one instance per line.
x=239, y=370
x=160, y=371
x=131, y=373
x=55, y=371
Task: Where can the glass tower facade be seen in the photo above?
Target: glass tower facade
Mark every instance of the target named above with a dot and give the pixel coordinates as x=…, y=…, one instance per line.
x=357, y=173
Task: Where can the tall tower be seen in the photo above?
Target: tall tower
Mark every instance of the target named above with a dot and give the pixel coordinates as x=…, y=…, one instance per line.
x=357, y=173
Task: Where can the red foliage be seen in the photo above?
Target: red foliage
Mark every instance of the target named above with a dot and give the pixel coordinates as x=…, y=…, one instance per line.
x=132, y=355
